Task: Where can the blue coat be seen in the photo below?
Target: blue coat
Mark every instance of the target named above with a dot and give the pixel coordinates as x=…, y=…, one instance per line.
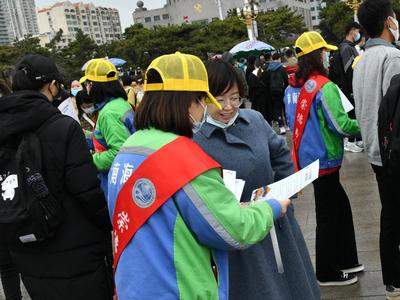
x=260, y=157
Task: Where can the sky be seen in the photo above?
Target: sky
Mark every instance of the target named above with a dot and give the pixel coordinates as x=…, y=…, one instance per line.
x=125, y=7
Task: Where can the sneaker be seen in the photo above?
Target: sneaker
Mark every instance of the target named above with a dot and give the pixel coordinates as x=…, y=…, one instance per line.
x=360, y=144
x=343, y=279
x=282, y=130
x=392, y=293
x=355, y=269
x=352, y=147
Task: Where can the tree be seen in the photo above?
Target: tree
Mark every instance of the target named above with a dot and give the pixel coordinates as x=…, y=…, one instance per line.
x=52, y=45
x=334, y=18
x=280, y=27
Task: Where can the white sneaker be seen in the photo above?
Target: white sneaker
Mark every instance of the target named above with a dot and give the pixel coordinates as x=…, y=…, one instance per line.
x=360, y=144
x=356, y=269
x=352, y=147
x=392, y=293
x=282, y=130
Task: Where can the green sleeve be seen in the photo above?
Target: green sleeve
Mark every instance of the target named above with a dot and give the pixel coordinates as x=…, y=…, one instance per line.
x=239, y=226
x=338, y=119
x=115, y=134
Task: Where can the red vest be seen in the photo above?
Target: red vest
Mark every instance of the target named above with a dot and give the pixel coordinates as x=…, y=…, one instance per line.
x=304, y=102
x=155, y=181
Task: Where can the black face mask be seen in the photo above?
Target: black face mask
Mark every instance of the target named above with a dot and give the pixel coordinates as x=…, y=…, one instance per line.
x=58, y=98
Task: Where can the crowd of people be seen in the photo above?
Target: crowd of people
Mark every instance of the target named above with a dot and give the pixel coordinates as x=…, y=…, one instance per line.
x=126, y=198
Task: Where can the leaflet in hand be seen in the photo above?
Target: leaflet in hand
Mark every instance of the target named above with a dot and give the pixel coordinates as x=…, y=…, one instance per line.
x=345, y=101
x=235, y=185
x=289, y=186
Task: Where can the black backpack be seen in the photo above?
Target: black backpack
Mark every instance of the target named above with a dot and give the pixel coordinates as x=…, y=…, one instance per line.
x=28, y=211
x=336, y=70
x=276, y=81
x=389, y=127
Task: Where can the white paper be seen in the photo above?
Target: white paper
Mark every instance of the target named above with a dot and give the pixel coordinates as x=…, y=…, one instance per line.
x=236, y=186
x=345, y=101
x=67, y=108
x=289, y=186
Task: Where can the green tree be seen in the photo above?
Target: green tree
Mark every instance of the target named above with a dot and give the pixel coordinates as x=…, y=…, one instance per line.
x=52, y=45
x=280, y=27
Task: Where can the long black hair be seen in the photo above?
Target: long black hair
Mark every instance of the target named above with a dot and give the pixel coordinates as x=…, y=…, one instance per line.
x=102, y=91
x=309, y=64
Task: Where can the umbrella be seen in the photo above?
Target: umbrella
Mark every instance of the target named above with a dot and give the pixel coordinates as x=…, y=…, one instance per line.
x=114, y=60
x=247, y=48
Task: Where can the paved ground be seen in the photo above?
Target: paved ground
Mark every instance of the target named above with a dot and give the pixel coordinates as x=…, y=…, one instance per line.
x=358, y=181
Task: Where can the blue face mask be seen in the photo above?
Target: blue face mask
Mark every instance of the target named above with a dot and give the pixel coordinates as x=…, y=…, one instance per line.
x=222, y=125
x=357, y=38
x=198, y=124
x=75, y=91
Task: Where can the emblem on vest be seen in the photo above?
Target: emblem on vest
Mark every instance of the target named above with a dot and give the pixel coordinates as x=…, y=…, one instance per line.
x=144, y=193
x=310, y=86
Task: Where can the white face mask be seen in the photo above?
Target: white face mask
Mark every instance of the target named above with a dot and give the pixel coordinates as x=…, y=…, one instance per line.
x=395, y=32
x=326, y=60
x=222, y=125
x=198, y=124
x=89, y=110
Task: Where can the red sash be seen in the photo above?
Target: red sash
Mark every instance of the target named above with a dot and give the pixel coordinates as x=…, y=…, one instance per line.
x=156, y=180
x=304, y=102
x=98, y=147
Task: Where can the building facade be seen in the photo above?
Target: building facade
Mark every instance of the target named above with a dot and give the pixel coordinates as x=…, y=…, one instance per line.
x=17, y=20
x=102, y=24
x=315, y=7
x=205, y=11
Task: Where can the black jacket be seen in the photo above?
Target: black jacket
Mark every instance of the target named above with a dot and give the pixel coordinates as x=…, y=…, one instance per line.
x=84, y=238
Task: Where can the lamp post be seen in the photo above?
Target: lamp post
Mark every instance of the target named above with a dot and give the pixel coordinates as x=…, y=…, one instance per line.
x=248, y=14
x=354, y=5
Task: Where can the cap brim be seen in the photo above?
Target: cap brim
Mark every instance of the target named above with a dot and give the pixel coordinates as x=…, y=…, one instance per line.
x=82, y=80
x=331, y=47
x=211, y=100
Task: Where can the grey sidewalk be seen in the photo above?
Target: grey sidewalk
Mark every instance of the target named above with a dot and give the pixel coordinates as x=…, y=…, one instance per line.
x=359, y=182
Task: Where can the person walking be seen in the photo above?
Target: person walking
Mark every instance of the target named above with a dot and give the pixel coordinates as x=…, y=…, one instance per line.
x=372, y=76
x=72, y=263
x=241, y=140
x=174, y=220
x=319, y=123
x=115, y=115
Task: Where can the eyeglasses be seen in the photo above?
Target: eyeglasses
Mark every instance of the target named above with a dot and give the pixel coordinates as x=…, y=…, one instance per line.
x=233, y=101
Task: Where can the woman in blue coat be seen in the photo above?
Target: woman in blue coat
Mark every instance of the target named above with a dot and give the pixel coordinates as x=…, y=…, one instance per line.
x=241, y=140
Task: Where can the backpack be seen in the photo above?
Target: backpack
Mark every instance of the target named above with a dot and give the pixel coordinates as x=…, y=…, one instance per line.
x=389, y=127
x=28, y=210
x=276, y=82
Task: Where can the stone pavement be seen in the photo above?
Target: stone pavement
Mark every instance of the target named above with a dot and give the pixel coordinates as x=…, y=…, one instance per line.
x=358, y=180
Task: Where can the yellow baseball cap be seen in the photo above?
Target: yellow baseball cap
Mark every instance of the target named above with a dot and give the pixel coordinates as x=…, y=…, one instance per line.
x=100, y=70
x=180, y=72
x=309, y=42
x=82, y=80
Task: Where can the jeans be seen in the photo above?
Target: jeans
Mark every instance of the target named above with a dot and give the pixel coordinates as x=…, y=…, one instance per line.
x=389, y=239
x=9, y=275
x=335, y=240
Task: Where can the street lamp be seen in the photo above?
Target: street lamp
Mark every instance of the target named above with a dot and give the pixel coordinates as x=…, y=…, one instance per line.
x=354, y=5
x=248, y=14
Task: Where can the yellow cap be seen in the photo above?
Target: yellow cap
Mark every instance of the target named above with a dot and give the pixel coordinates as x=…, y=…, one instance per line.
x=82, y=80
x=100, y=70
x=180, y=72
x=309, y=42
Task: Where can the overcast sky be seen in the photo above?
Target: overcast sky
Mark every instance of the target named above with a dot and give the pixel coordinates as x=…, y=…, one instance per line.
x=125, y=7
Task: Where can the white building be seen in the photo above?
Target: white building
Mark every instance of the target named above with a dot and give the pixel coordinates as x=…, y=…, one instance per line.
x=205, y=11
x=17, y=20
x=315, y=7
x=100, y=23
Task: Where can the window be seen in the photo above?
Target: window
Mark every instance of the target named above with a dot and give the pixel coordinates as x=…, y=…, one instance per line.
x=312, y=8
x=147, y=19
x=313, y=18
x=165, y=16
x=67, y=16
x=73, y=17
x=85, y=23
x=95, y=23
x=156, y=18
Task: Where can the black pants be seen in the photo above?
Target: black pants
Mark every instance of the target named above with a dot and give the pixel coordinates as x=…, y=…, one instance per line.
x=389, y=240
x=278, y=109
x=9, y=275
x=335, y=240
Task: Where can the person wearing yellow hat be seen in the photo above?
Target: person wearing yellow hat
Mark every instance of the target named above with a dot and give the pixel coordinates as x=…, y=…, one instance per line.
x=115, y=115
x=319, y=122
x=173, y=218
